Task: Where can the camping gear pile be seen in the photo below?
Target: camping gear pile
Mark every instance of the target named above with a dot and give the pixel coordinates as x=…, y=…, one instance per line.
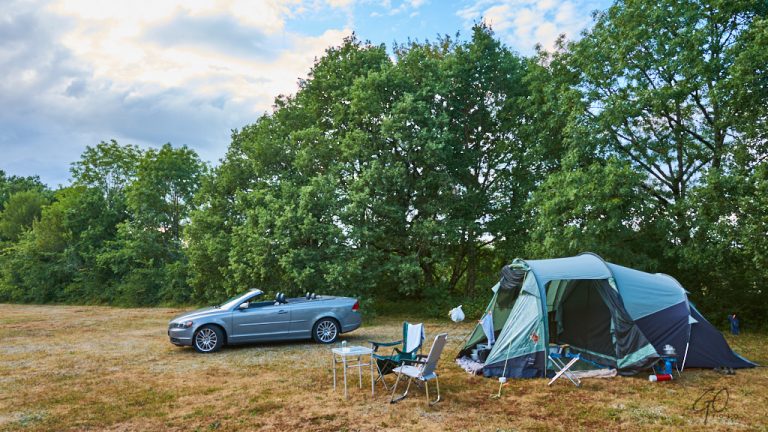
x=610, y=316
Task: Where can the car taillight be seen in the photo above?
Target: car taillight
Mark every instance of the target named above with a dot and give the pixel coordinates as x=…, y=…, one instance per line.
x=356, y=307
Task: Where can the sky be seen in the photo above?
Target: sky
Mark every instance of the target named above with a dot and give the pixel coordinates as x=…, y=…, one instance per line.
x=77, y=72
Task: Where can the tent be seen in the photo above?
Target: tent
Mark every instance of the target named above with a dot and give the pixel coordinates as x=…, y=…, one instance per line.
x=613, y=316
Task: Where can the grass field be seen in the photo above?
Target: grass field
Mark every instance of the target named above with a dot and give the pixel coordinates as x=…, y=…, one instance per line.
x=98, y=368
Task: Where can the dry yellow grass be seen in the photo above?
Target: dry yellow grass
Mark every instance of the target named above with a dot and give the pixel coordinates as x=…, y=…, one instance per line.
x=97, y=368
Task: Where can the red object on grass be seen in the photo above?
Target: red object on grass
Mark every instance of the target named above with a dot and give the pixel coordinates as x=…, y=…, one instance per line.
x=660, y=377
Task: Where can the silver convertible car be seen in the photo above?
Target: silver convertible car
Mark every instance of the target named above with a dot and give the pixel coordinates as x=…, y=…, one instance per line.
x=249, y=317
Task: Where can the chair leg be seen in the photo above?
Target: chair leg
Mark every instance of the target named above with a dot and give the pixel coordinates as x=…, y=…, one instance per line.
x=380, y=378
x=564, y=370
x=437, y=384
x=402, y=396
x=394, y=387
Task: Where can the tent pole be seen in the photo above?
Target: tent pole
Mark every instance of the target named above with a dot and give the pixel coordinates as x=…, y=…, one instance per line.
x=685, y=356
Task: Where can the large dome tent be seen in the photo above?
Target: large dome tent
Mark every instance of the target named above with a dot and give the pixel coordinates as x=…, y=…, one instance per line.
x=611, y=315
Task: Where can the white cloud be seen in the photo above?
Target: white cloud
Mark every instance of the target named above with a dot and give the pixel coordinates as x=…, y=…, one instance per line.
x=524, y=23
x=79, y=71
x=340, y=3
x=110, y=36
x=404, y=6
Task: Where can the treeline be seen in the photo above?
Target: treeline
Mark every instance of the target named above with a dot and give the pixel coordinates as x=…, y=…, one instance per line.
x=417, y=173
x=115, y=236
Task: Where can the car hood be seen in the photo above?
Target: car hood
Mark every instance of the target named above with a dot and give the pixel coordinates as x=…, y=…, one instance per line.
x=197, y=314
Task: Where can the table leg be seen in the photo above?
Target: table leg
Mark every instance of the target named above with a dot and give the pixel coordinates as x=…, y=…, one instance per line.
x=333, y=366
x=360, y=370
x=370, y=363
x=344, y=361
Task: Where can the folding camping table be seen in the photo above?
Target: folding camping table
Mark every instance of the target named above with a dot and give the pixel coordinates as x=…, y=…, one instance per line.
x=355, y=352
x=559, y=354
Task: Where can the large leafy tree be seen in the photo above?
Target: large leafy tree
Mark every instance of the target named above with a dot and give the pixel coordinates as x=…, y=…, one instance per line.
x=395, y=175
x=674, y=89
x=658, y=81
x=147, y=255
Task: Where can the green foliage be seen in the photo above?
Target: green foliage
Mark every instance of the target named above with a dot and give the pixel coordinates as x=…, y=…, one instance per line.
x=147, y=255
x=110, y=167
x=602, y=208
x=21, y=209
x=393, y=178
x=10, y=185
x=113, y=237
x=414, y=175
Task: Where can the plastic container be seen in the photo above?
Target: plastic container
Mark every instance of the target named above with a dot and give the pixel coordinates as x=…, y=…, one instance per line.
x=660, y=377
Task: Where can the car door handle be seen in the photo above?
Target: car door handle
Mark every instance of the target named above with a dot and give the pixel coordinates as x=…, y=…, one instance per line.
x=282, y=312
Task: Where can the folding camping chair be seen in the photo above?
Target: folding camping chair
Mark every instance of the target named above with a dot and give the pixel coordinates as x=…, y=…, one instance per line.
x=559, y=354
x=423, y=369
x=413, y=337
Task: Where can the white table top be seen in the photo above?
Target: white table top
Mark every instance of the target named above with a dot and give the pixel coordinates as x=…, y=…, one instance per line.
x=352, y=350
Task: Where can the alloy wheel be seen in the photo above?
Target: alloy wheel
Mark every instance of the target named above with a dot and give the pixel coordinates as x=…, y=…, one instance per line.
x=206, y=339
x=326, y=331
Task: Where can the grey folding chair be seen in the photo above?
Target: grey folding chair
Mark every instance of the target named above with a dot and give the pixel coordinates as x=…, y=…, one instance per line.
x=422, y=369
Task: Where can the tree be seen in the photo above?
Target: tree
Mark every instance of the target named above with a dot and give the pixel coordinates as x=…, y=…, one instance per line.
x=393, y=176
x=108, y=166
x=657, y=78
x=601, y=208
x=147, y=255
x=10, y=185
x=162, y=195
x=21, y=210
x=677, y=90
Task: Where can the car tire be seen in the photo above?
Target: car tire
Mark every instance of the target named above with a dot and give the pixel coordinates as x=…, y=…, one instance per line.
x=208, y=339
x=326, y=331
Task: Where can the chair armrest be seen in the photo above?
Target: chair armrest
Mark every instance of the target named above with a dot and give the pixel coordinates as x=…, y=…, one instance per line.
x=414, y=361
x=376, y=345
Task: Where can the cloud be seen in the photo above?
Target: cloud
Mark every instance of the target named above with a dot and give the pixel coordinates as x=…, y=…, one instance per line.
x=77, y=72
x=340, y=3
x=217, y=34
x=410, y=6
x=524, y=23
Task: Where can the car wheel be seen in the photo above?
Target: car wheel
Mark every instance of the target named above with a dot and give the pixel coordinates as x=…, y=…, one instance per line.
x=325, y=331
x=208, y=339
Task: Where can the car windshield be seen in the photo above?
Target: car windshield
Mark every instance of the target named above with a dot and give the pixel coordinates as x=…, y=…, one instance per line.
x=236, y=300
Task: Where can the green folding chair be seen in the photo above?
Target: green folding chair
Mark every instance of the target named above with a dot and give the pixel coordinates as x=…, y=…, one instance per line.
x=406, y=348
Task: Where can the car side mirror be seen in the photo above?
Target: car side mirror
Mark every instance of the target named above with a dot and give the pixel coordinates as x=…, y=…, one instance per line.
x=243, y=306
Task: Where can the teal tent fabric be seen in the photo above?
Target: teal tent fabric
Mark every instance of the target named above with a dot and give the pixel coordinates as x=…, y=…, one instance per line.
x=524, y=331
x=646, y=293
x=584, y=266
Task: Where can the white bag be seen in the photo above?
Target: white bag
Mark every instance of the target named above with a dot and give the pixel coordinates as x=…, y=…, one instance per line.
x=456, y=314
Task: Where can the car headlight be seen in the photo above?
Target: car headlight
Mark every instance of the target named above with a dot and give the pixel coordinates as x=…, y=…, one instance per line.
x=183, y=324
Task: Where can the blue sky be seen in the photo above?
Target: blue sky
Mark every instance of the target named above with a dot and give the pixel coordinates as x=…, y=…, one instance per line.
x=147, y=72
